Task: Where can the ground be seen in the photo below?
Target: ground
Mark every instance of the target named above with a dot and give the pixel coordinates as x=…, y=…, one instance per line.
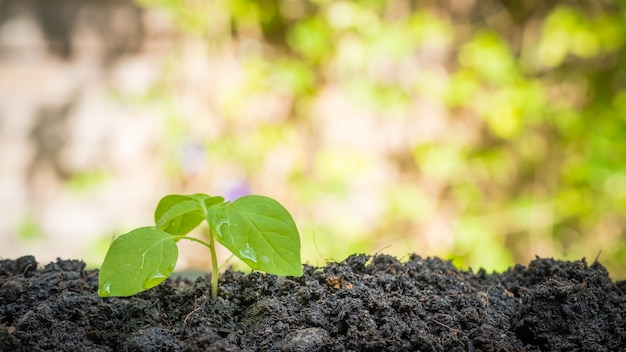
x=365, y=303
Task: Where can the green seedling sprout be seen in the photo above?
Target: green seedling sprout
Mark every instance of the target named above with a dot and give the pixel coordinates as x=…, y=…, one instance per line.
x=256, y=229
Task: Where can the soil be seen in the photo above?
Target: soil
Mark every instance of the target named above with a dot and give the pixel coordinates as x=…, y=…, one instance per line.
x=365, y=303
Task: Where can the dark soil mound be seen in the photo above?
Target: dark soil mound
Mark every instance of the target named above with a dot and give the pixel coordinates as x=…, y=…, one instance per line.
x=362, y=304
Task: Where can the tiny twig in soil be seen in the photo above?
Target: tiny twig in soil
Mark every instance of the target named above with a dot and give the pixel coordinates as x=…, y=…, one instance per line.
x=18, y=275
x=448, y=327
x=382, y=249
x=195, y=310
x=597, y=257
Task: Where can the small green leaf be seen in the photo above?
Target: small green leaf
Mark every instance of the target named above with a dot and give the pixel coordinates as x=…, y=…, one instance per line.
x=179, y=214
x=137, y=261
x=260, y=232
x=208, y=200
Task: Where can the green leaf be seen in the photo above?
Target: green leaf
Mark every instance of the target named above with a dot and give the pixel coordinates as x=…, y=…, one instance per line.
x=179, y=214
x=260, y=232
x=208, y=200
x=137, y=261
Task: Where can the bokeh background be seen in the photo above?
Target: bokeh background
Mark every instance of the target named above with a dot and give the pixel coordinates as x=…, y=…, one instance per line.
x=487, y=132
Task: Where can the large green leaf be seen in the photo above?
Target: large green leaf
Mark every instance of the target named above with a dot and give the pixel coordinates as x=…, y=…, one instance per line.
x=179, y=214
x=137, y=261
x=260, y=232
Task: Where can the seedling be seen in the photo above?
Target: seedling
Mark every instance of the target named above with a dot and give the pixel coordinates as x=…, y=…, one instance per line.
x=256, y=229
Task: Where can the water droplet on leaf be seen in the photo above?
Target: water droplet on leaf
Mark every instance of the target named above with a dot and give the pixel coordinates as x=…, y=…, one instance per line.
x=248, y=253
x=105, y=290
x=154, y=279
x=218, y=228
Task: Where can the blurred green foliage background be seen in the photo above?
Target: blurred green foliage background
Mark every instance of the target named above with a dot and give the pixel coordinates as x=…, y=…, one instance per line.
x=483, y=131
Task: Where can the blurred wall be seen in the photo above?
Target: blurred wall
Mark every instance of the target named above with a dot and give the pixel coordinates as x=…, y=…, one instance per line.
x=486, y=132
x=78, y=165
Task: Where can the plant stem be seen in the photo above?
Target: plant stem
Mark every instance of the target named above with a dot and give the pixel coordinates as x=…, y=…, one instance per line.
x=215, y=270
x=194, y=240
x=214, y=267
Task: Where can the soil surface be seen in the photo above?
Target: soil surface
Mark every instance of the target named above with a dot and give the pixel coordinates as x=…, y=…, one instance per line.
x=362, y=304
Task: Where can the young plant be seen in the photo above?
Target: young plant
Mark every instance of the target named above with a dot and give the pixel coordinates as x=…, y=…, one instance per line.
x=256, y=229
